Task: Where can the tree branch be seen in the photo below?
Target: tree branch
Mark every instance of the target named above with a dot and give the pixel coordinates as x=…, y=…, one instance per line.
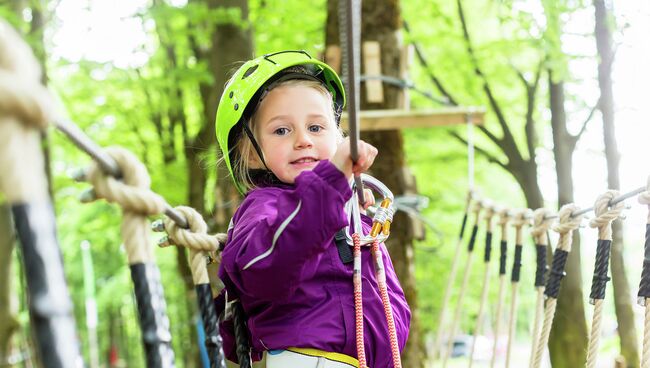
x=509, y=145
x=586, y=122
x=531, y=94
x=423, y=61
x=490, y=157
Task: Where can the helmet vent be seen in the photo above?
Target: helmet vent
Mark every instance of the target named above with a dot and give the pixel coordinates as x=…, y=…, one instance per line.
x=250, y=71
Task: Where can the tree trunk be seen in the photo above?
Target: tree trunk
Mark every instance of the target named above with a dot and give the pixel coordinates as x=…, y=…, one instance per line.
x=8, y=320
x=231, y=43
x=622, y=296
x=381, y=22
x=568, y=340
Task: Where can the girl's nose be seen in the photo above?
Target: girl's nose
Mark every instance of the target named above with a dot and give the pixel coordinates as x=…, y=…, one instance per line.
x=303, y=140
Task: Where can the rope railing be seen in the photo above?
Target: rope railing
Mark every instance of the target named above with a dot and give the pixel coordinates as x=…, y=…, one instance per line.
x=477, y=208
x=504, y=220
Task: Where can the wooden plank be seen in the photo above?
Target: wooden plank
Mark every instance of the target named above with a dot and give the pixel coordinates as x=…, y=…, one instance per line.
x=400, y=119
x=372, y=67
x=406, y=55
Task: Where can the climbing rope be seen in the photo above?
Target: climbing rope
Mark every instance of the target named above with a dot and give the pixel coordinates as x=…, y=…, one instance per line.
x=478, y=206
x=520, y=219
x=200, y=243
x=488, y=216
x=644, y=284
x=567, y=222
x=539, y=231
x=504, y=219
x=379, y=232
x=25, y=110
x=452, y=277
x=603, y=221
x=132, y=193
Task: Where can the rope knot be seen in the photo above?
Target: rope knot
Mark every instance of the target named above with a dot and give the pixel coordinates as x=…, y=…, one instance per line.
x=521, y=218
x=22, y=95
x=541, y=222
x=132, y=192
x=504, y=216
x=196, y=237
x=566, y=224
x=605, y=215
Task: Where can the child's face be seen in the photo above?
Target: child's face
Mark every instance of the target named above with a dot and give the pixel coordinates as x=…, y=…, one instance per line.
x=296, y=129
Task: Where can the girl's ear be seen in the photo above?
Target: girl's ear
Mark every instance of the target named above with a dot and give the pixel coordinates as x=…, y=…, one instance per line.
x=254, y=161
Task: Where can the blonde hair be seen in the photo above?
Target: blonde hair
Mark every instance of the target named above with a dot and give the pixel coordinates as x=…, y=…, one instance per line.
x=243, y=152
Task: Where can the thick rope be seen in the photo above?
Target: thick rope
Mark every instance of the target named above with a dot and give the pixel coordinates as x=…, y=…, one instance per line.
x=478, y=206
x=489, y=215
x=132, y=193
x=388, y=310
x=504, y=219
x=603, y=221
x=450, y=281
x=645, y=363
x=539, y=231
x=521, y=218
x=25, y=108
x=196, y=238
x=22, y=94
x=565, y=226
x=644, y=198
x=358, y=304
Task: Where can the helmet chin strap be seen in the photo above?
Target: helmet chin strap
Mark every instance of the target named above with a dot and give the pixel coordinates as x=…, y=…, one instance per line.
x=257, y=147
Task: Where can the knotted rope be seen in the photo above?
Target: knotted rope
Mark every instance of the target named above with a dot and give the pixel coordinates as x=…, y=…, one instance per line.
x=452, y=277
x=132, y=193
x=478, y=206
x=521, y=218
x=26, y=107
x=199, y=242
x=196, y=239
x=488, y=216
x=504, y=220
x=539, y=231
x=565, y=226
x=603, y=221
x=644, y=285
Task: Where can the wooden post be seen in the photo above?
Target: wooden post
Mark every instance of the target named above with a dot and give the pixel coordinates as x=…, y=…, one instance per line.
x=406, y=55
x=372, y=68
x=333, y=57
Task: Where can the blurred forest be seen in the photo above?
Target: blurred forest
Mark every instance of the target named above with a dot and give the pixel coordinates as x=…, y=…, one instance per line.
x=159, y=101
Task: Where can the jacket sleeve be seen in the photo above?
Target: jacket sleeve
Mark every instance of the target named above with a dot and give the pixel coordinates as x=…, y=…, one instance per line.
x=279, y=234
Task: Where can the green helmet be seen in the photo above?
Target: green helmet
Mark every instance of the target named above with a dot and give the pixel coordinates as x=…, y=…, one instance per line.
x=241, y=95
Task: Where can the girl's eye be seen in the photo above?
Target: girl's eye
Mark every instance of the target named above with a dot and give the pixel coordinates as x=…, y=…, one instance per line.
x=281, y=131
x=315, y=128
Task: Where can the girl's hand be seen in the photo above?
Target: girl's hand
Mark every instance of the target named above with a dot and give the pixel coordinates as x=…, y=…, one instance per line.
x=368, y=200
x=343, y=161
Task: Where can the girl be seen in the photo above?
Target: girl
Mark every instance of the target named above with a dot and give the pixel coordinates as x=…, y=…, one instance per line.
x=277, y=126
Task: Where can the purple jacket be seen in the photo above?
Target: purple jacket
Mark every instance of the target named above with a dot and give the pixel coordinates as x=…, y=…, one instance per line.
x=282, y=262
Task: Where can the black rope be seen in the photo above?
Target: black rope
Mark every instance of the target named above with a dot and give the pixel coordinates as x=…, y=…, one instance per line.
x=502, y=257
x=516, y=265
x=241, y=336
x=601, y=267
x=644, y=284
x=488, y=246
x=50, y=306
x=540, y=271
x=154, y=323
x=472, y=239
x=213, y=341
x=556, y=273
x=462, y=227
